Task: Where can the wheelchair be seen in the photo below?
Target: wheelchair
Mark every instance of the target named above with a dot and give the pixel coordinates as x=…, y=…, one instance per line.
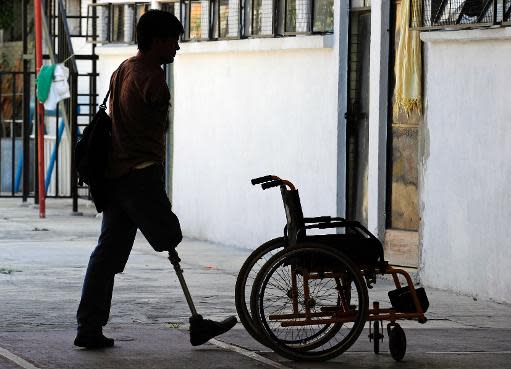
x=306, y=296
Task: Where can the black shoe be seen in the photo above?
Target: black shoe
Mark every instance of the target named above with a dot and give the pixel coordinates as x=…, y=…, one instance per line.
x=93, y=341
x=202, y=330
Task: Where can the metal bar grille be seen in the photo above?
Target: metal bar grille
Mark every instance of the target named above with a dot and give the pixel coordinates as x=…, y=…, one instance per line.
x=506, y=10
x=12, y=127
x=114, y=23
x=171, y=7
x=262, y=17
x=452, y=14
x=215, y=19
x=98, y=21
x=298, y=16
x=323, y=16
x=74, y=17
x=195, y=18
x=228, y=19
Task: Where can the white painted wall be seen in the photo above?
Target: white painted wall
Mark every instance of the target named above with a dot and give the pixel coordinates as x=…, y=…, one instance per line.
x=244, y=109
x=466, y=201
x=109, y=59
x=247, y=108
x=240, y=115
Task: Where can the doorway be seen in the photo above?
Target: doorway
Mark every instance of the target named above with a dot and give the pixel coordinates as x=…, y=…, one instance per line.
x=402, y=202
x=357, y=117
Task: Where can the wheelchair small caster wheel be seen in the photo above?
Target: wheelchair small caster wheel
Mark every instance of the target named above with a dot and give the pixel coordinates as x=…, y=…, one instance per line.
x=397, y=341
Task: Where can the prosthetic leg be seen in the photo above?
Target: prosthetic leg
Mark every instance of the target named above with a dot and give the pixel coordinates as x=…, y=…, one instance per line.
x=201, y=330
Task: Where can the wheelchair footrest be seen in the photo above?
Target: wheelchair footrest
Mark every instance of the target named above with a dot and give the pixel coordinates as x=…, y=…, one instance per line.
x=401, y=299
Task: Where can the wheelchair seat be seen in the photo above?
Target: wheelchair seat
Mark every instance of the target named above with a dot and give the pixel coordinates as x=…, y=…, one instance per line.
x=357, y=242
x=366, y=251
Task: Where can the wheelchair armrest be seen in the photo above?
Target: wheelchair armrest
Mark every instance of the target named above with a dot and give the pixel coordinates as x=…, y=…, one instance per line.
x=343, y=224
x=325, y=225
x=323, y=219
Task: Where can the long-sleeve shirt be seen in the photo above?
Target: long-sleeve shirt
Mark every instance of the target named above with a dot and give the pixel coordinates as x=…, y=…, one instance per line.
x=139, y=103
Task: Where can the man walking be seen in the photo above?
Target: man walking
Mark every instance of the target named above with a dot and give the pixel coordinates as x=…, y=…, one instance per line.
x=139, y=103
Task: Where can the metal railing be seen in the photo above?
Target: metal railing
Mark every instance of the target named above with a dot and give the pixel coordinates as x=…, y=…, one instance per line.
x=459, y=14
x=11, y=133
x=66, y=52
x=18, y=143
x=18, y=146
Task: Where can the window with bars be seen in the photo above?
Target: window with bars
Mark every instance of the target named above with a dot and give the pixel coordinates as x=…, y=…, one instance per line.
x=506, y=17
x=309, y=16
x=262, y=18
x=121, y=28
x=215, y=19
x=229, y=19
x=194, y=14
x=171, y=7
x=210, y=19
x=73, y=11
x=442, y=14
x=198, y=14
x=323, y=19
x=114, y=23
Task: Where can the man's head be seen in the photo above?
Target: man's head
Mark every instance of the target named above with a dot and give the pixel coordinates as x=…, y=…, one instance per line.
x=158, y=33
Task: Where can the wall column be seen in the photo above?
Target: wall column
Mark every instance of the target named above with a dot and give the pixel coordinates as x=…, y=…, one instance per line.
x=341, y=29
x=378, y=106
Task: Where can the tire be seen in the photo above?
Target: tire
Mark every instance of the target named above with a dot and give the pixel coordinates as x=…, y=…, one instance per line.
x=397, y=342
x=245, y=279
x=272, y=292
x=376, y=337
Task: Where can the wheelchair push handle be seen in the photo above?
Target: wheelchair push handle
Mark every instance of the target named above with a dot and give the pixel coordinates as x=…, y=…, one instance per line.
x=271, y=181
x=271, y=184
x=263, y=179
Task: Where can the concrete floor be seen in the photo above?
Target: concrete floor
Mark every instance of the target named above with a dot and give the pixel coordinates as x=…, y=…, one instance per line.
x=42, y=264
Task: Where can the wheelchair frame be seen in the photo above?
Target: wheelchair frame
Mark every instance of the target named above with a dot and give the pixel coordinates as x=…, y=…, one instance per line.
x=294, y=231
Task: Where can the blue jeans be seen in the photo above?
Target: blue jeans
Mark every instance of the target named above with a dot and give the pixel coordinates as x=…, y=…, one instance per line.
x=135, y=201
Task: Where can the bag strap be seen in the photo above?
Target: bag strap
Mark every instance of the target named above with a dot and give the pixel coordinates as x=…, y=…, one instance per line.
x=103, y=105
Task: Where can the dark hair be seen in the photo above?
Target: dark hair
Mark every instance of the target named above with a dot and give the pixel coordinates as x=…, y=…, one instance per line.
x=157, y=24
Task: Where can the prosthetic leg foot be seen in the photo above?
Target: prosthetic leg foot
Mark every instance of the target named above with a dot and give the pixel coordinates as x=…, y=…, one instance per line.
x=201, y=330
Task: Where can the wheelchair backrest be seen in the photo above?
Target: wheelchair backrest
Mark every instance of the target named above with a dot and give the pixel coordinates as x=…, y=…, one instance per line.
x=294, y=215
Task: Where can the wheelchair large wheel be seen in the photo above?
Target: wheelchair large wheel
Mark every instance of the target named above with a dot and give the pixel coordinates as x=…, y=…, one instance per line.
x=245, y=281
x=310, y=301
x=244, y=284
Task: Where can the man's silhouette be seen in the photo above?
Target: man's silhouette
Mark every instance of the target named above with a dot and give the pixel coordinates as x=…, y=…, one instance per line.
x=139, y=103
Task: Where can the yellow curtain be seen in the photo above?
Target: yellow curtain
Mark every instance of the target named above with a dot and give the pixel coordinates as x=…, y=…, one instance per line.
x=408, y=65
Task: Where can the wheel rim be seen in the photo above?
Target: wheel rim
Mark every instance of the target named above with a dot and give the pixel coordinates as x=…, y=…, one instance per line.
x=307, y=337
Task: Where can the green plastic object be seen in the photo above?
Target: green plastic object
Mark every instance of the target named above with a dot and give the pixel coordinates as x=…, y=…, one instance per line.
x=44, y=81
